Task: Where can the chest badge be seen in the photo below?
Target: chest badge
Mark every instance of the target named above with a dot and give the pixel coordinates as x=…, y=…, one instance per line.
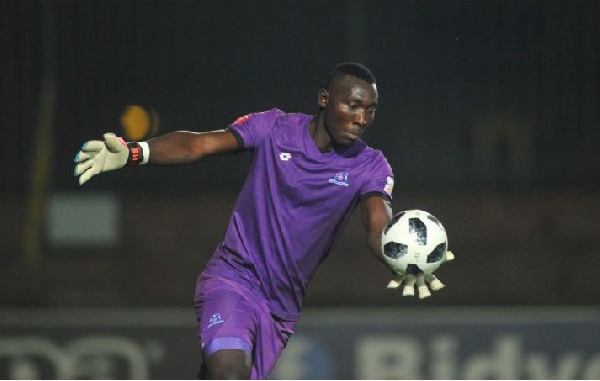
x=340, y=179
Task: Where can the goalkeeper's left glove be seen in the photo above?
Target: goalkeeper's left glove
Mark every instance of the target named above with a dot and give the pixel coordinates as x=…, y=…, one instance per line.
x=113, y=153
x=423, y=282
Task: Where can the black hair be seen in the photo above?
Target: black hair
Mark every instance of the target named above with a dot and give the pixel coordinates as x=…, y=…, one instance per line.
x=353, y=69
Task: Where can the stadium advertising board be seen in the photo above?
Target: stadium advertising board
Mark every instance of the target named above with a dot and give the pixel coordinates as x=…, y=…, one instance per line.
x=328, y=344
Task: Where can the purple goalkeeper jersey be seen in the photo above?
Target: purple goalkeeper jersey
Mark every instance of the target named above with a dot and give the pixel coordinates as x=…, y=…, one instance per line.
x=293, y=208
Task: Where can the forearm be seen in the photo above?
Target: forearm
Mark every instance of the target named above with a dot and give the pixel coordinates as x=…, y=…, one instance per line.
x=374, y=242
x=173, y=148
x=183, y=147
x=377, y=212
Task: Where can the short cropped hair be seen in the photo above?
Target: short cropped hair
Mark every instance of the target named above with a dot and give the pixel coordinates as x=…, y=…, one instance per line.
x=353, y=69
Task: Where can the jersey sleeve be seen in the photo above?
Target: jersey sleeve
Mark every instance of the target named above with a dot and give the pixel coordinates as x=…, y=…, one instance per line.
x=251, y=129
x=381, y=181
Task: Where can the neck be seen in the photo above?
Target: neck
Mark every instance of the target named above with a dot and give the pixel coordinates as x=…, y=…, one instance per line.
x=319, y=134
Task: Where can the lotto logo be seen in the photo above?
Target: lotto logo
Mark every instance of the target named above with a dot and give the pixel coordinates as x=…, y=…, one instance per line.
x=285, y=156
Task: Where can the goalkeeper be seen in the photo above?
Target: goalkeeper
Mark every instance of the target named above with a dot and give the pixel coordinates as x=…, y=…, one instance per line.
x=308, y=174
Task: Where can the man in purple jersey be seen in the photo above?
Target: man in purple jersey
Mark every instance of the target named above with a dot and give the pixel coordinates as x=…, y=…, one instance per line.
x=308, y=175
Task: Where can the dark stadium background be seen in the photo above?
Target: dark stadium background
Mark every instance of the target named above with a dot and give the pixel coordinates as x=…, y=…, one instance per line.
x=488, y=115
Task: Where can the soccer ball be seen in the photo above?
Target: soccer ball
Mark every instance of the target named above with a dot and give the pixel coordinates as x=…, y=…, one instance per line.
x=414, y=242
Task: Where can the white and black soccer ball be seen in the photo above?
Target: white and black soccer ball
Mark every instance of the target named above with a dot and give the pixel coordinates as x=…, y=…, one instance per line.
x=414, y=242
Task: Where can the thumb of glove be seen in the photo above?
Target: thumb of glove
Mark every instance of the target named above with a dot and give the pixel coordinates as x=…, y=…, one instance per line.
x=395, y=283
x=113, y=143
x=434, y=282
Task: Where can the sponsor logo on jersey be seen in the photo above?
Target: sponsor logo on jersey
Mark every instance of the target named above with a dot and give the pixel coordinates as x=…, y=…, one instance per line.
x=389, y=186
x=340, y=179
x=285, y=156
x=215, y=319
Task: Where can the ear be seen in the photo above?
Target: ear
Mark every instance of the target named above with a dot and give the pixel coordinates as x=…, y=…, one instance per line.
x=323, y=99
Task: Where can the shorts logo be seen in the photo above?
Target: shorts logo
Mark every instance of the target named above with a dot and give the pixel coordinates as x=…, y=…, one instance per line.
x=215, y=319
x=340, y=179
x=285, y=156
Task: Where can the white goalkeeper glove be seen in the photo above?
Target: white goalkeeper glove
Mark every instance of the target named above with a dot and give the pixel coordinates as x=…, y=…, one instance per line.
x=113, y=153
x=423, y=282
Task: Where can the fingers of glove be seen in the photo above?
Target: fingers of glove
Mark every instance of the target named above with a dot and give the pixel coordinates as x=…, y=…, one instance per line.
x=395, y=283
x=434, y=283
x=88, y=152
x=409, y=286
x=83, y=166
x=114, y=143
x=83, y=156
x=94, y=170
x=422, y=288
x=449, y=256
x=91, y=167
x=93, y=146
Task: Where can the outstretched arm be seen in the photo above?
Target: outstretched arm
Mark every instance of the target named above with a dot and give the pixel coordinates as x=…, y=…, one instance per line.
x=180, y=147
x=376, y=212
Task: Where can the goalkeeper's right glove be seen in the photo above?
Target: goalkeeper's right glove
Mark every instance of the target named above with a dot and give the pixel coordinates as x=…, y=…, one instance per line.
x=113, y=153
x=423, y=282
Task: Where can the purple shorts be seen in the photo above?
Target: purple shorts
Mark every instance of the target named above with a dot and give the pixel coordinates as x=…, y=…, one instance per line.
x=232, y=317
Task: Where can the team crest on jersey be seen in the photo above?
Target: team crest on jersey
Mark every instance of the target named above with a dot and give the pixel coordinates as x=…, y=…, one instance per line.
x=340, y=179
x=241, y=119
x=215, y=319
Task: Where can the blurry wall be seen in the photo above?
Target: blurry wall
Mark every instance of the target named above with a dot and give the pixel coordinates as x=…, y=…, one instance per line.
x=488, y=115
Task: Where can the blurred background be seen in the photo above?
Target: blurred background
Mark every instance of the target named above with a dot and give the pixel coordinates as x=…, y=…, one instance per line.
x=488, y=115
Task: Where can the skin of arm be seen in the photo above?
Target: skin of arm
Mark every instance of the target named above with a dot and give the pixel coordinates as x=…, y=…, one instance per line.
x=184, y=147
x=376, y=213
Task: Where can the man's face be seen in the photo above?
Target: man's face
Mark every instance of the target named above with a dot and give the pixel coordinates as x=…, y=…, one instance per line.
x=348, y=109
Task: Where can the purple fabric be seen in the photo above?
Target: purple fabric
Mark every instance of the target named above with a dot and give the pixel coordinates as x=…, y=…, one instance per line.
x=227, y=343
x=233, y=317
x=293, y=208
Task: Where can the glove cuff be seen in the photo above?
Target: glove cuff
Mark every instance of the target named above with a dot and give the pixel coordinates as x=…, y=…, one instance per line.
x=138, y=153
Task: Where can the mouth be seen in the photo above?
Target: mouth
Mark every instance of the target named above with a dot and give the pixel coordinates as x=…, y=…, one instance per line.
x=353, y=135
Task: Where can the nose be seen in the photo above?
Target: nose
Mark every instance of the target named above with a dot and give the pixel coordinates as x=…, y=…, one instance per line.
x=361, y=119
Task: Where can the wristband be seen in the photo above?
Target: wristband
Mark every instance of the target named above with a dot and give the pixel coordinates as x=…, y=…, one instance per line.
x=145, y=152
x=136, y=154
